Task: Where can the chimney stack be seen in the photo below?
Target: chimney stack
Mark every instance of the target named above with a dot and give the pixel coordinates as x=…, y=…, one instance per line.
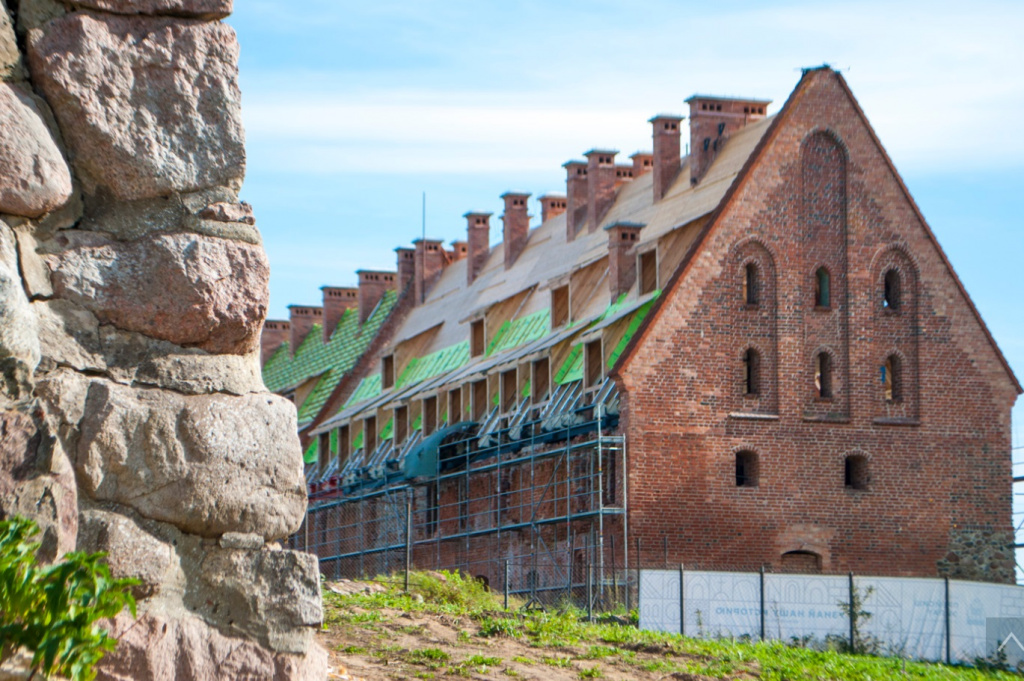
x=666, y=152
x=623, y=174
x=336, y=301
x=478, y=234
x=622, y=240
x=600, y=185
x=406, y=266
x=516, y=225
x=429, y=260
x=275, y=332
x=460, y=249
x=552, y=205
x=301, y=319
x=712, y=120
x=372, y=286
x=643, y=162
x=576, y=197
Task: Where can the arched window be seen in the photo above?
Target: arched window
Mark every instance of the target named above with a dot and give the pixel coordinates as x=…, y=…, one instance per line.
x=822, y=288
x=891, y=290
x=855, y=472
x=751, y=284
x=747, y=472
x=751, y=372
x=805, y=562
x=892, y=379
x=823, y=375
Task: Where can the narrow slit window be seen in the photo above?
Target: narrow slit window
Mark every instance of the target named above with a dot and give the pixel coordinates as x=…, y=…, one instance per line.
x=822, y=288
x=823, y=375
x=387, y=370
x=401, y=417
x=746, y=469
x=751, y=284
x=891, y=292
x=855, y=472
x=751, y=372
x=892, y=379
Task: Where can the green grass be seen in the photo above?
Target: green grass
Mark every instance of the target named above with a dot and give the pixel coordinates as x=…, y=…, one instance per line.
x=553, y=632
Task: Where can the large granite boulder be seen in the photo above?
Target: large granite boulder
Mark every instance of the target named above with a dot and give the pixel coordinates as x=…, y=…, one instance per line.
x=204, y=9
x=19, y=333
x=165, y=644
x=147, y=105
x=212, y=293
x=34, y=178
x=207, y=464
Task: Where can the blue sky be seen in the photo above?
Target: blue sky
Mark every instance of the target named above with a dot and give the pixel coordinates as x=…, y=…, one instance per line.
x=352, y=109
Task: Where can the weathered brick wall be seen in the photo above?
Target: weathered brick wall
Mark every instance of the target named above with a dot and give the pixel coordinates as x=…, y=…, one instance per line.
x=938, y=498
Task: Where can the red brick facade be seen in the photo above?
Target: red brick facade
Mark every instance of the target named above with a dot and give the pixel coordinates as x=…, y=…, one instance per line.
x=930, y=451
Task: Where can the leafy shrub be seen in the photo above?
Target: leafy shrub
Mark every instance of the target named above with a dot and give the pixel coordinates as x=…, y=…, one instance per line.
x=52, y=611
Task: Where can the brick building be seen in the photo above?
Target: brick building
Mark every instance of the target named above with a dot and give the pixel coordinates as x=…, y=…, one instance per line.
x=752, y=355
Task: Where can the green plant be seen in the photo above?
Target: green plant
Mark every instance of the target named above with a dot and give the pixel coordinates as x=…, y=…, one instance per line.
x=854, y=609
x=482, y=661
x=52, y=611
x=592, y=673
x=500, y=626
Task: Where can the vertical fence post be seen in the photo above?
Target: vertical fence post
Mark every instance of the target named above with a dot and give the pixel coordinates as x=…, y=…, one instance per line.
x=682, y=600
x=949, y=628
x=853, y=616
x=762, y=602
x=590, y=590
x=408, y=540
x=507, y=573
x=664, y=546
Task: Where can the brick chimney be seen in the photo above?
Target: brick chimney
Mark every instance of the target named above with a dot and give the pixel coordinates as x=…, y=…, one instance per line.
x=623, y=174
x=576, y=197
x=429, y=260
x=665, y=158
x=302, y=318
x=406, y=258
x=336, y=301
x=478, y=236
x=275, y=332
x=372, y=286
x=516, y=225
x=600, y=185
x=643, y=163
x=622, y=240
x=460, y=249
x=552, y=205
x=712, y=120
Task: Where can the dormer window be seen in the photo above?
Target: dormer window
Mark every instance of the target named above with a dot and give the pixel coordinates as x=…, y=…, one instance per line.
x=477, y=341
x=387, y=371
x=559, y=306
x=648, y=279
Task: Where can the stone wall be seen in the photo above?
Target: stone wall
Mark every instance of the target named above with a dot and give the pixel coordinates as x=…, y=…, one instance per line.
x=133, y=286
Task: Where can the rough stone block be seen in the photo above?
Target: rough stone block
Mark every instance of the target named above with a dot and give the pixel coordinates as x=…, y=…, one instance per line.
x=149, y=106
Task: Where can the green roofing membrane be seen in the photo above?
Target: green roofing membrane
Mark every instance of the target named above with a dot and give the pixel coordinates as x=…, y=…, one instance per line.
x=520, y=331
x=368, y=388
x=325, y=362
x=436, y=363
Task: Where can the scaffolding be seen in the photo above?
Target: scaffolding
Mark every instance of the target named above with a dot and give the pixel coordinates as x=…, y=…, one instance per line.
x=536, y=497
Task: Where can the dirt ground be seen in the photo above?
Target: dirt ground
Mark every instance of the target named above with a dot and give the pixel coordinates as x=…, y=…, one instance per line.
x=402, y=645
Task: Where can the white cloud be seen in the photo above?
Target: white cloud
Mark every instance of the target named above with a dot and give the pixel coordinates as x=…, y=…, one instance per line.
x=940, y=83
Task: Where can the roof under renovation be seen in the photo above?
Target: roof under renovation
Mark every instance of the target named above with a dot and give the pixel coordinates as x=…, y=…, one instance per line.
x=431, y=347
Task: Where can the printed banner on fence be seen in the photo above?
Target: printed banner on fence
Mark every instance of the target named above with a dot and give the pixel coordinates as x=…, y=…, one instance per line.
x=903, y=616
